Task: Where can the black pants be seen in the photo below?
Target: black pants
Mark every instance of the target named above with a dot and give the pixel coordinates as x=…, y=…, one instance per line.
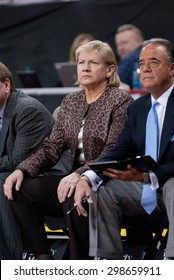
x=36, y=199
x=78, y=232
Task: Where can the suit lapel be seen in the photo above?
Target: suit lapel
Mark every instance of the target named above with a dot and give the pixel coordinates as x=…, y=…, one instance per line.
x=168, y=125
x=142, y=121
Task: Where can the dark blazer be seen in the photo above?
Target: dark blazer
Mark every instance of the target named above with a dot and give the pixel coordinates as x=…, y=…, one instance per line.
x=131, y=142
x=26, y=122
x=126, y=66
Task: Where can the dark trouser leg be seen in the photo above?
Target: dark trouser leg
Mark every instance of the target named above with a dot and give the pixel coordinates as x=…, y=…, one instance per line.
x=78, y=232
x=36, y=198
x=10, y=243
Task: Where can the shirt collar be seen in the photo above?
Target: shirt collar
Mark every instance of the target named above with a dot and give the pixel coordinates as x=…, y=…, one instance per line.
x=163, y=99
x=2, y=110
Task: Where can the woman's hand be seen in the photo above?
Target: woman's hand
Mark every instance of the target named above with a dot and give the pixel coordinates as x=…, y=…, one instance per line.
x=82, y=190
x=67, y=186
x=131, y=174
x=13, y=180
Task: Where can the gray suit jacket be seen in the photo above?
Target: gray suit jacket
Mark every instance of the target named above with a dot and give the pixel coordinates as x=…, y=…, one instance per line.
x=26, y=122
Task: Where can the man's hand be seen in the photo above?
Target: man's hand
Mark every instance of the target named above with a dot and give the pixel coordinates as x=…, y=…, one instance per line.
x=131, y=174
x=82, y=190
x=13, y=180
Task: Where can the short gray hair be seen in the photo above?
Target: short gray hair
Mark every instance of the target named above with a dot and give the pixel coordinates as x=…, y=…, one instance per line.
x=169, y=46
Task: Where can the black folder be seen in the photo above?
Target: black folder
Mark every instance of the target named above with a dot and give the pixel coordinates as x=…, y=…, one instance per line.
x=142, y=163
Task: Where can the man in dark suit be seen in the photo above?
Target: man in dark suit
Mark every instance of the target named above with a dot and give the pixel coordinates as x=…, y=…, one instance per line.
x=24, y=123
x=123, y=192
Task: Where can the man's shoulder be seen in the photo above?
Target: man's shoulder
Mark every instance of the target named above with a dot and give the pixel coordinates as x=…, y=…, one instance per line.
x=23, y=99
x=140, y=101
x=134, y=56
x=137, y=51
x=21, y=103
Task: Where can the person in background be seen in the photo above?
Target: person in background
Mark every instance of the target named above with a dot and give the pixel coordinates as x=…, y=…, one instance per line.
x=78, y=41
x=128, y=41
x=88, y=124
x=123, y=194
x=24, y=123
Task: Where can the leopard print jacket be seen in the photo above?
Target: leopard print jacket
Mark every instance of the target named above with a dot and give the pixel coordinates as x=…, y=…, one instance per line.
x=104, y=121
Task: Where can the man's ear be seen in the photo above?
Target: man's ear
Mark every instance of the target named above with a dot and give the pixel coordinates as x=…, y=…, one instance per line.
x=7, y=86
x=172, y=70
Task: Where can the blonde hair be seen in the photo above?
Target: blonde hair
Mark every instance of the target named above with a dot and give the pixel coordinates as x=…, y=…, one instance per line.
x=78, y=42
x=108, y=55
x=6, y=74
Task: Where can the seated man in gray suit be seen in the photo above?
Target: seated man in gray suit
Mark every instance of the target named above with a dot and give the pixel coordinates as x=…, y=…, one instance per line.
x=24, y=123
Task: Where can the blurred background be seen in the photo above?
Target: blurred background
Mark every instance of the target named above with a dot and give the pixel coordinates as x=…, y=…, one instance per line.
x=35, y=34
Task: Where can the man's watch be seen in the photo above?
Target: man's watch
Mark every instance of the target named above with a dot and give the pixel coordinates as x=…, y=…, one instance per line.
x=146, y=177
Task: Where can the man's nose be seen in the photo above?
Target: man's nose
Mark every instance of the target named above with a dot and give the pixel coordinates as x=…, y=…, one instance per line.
x=145, y=67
